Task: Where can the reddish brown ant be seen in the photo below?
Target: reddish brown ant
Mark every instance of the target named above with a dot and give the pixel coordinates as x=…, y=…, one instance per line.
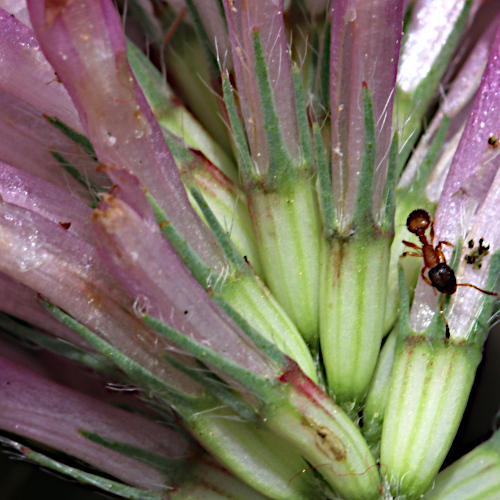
x=440, y=275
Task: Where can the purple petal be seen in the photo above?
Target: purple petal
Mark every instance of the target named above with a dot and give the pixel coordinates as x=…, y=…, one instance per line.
x=27, y=139
x=67, y=271
x=52, y=202
x=26, y=74
x=456, y=105
x=129, y=189
x=476, y=161
x=23, y=303
x=39, y=409
x=432, y=23
x=148, y=267
x=468, y=79
x=85, y=44
x=266, y=16
x=364, y=50
x=17, y=8
x=468, y=185
x=467, y=301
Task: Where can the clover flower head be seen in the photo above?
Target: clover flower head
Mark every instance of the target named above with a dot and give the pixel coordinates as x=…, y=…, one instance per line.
x=207, y=203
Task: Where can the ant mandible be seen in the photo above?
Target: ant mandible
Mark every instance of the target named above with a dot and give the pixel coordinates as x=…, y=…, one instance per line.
x=440, y=275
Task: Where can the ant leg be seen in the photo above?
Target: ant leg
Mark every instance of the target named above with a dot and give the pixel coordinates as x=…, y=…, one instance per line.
x=441, y=307
x=477, y=288
x=440, y=252
x=412, y=245
x=411, y=254
x=431, y=234
x=426, y=278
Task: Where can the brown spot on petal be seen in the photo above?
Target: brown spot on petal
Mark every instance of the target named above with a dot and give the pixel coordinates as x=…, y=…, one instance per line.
x=65, y=225
x=326, y=440
x=53, y=8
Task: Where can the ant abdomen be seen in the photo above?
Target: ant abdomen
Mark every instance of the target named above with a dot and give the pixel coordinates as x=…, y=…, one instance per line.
x=418, y=221
x=443, y=278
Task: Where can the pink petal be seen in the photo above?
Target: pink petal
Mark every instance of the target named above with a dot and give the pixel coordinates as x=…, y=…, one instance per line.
x=148, y=267
x=26, y=74
x=432, y=23
x=17, y=8
x=364, y=50
x=85, y=44
x=475, y=162
x=27, y=139
x=39, y=409
x=266, y=16
x=52, y=202
x=130, y=190
x=67, y=271
x=23, y=303
x=457, y=104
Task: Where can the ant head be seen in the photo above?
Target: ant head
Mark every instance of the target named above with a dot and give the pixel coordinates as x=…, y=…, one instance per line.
x=418, y=221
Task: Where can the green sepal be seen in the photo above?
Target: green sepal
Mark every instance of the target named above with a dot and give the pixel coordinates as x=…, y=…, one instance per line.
x=378, y=394
x=181, y=154
x=92, y=187
x=406, y=22
x=351, y=311
x=174, y=118
x=404, y=301
x=324, y=185
x=431, y=381
x=262, y=343
x=230, y=251
x=200, y=271
x=482, y=323
x=92, y=360
x=303, y=121
x=169, y=467
x=150, y=80
x=261, y=386
x=416, y=189
x=387, y=223
x=430, y=384
x=323, y=80
x=245, y=163
x=137, y=373
x=75, y=136
x=216, y=386
x=280, y=163
x=313, y=66
x=363, y=218
x=287, y=225
x=204, y=38
x=254, y=303
x=412, y=107
x=107, y=485
x=475, y=476
x=209, y=481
